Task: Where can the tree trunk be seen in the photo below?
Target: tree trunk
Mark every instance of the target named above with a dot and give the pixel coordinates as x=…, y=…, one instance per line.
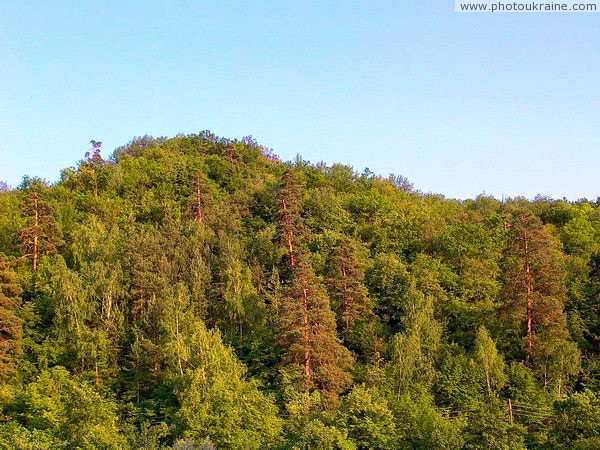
x=36, y=216
x=199, y=216
x=178, y=343
x=346, y=302
x=529, y=300
x=288, y=233
x=307, y=371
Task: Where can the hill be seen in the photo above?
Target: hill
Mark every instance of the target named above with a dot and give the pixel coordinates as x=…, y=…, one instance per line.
x=197, y=292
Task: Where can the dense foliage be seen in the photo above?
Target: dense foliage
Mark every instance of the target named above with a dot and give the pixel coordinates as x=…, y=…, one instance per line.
x=197, y=292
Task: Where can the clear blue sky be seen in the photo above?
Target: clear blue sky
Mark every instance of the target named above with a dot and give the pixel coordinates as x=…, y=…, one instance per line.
x=459, y=103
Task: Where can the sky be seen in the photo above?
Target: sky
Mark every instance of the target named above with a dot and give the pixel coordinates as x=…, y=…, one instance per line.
x=460, y=104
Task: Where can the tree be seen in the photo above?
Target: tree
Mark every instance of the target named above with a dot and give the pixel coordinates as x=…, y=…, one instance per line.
x=307, y=324
x=148, y=268
x=94, y=153
x=197, y=201
x=93, y=162
x=414, y=351
x=459, y=380
x=239, y=295
x=489, y=427
x=68, y=411
x=420, y=425
x=307, y=334
x=558, y=362
x=577, y=424
x=589, y=310
x=290, y=226
x=218, y=403
x=388, y=282
x=72, y=312
x=10, y=323
x=98, y=253
x=368, y=420
x=10, y=222
x=534, y=283
x=489, y=361
x=40, y=235
x=318, y=436
x=578, y=234
x=187, y=259
x=347, y=291
x=176, y=318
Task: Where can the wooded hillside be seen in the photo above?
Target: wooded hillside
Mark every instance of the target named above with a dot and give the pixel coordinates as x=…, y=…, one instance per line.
x=197, y=292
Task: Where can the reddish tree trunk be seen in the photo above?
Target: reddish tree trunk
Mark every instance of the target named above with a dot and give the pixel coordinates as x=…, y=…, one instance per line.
x=199, y=216
x=529, y=300
x=307, y=371
x=346, y=302
x=35, y=233
x=288, y=233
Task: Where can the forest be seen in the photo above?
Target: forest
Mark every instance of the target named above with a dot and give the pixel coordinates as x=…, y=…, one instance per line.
x=197, y=292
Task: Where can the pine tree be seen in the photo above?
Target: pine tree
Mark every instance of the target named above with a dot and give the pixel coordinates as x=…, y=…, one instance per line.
x=148, y=269
x=150, y=274
x=93, y=161
x=40, y=235
x=10, y=323
x=307, y=323
x=346, y=287
x=198, y=199
x=290, y=226
x=534, y=283
x=308, y=333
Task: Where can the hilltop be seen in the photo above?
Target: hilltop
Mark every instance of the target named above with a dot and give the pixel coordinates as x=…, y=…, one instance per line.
x=198, y=292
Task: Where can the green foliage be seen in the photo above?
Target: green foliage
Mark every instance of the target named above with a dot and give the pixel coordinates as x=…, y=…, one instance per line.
x=318, y=436
x=40, y=234
x=368, y=420
x=489, y=427
x=489, y=361
x=218, y=403
x=420, y=425
x=197, y=292
x=578, y=234
x=11, y=222
x=414, y=351
x=578, y=421
x=459, y=380
x=14, y=436
x=65, y=412
x=349, y=297
x=388, y=281
x=10, y=323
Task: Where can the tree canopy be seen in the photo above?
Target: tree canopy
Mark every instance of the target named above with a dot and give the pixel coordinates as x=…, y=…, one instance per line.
x=197, y=292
